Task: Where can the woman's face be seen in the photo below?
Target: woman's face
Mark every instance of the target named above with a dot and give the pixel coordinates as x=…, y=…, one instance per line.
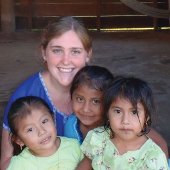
x=65, y=55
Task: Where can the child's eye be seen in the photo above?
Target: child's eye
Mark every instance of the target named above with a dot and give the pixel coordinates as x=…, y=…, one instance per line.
x=96, y=101
x=29, y=130
x=117, y=111
x=45, y=121
x=79, y=99
x=134, y=112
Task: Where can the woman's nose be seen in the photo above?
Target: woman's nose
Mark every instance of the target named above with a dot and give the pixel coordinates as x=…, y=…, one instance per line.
x=66, y=58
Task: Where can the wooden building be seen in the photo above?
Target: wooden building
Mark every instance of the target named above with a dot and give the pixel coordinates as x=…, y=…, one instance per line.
x=97, y=14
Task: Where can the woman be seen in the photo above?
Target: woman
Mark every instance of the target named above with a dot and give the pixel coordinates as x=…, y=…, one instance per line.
x=66, y=47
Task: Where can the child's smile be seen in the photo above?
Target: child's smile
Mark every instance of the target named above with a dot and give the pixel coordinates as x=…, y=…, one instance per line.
x=37, y=131
x=87, y=105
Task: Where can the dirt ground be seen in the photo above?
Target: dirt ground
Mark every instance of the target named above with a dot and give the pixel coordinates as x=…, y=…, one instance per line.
x=142, y=54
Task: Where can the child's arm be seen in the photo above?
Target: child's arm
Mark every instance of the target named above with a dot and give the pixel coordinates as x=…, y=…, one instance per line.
x=85, y=164
x=159, y=140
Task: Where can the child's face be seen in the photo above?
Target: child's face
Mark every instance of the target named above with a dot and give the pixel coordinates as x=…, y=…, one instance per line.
x=87, y=105
x=37, y=131
x=124, y=121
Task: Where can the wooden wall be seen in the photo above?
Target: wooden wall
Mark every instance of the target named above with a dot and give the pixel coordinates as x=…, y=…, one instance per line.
x=34, y=14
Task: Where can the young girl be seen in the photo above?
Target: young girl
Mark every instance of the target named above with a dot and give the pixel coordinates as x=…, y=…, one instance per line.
x=123, y=142
x=87, y=99
x=32, y=127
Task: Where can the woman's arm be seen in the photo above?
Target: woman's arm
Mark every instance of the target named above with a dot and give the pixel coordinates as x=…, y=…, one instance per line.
x=6, y=150
x=159, y=140
x=85, y=164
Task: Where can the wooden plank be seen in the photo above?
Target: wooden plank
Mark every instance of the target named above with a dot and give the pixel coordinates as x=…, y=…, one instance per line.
x=118, y=1
x=65, y=1
x=41, y=22
x=130, y=22
x=58, y=10
x=58, y=1
x=126, y=22
x=121, y=9
x=106, y=22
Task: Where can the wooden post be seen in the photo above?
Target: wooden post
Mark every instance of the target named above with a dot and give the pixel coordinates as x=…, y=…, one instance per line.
x=7, y=16
x=98, y=13
x=155, y=20
x=169, y=9
x=30, y=8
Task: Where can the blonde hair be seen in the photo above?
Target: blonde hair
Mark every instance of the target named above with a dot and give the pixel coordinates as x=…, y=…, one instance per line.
x=59, y=26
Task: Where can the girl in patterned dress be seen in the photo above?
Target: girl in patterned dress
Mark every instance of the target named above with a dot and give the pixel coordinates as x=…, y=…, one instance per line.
x=122, y=143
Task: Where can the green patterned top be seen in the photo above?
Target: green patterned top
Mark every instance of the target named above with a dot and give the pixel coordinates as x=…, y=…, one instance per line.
x=105, y=156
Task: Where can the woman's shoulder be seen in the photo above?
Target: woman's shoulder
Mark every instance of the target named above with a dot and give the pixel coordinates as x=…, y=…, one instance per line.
x=33, y=80
x=31, y=86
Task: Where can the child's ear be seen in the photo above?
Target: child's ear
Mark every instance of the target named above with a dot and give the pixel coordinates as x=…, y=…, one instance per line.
x=148, y=118
x=18, y=141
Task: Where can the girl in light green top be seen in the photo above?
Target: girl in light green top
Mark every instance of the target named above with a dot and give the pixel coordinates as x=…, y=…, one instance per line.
x=33, y=128
x=122, y=144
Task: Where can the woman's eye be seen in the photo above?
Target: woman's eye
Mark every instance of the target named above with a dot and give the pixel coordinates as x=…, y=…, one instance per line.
x=57, y=51
x=45, y=121
x=75, y=52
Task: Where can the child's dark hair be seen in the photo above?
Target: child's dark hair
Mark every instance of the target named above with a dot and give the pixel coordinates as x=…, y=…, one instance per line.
x=96, y=77
x=19, y=109
x=136, y=91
